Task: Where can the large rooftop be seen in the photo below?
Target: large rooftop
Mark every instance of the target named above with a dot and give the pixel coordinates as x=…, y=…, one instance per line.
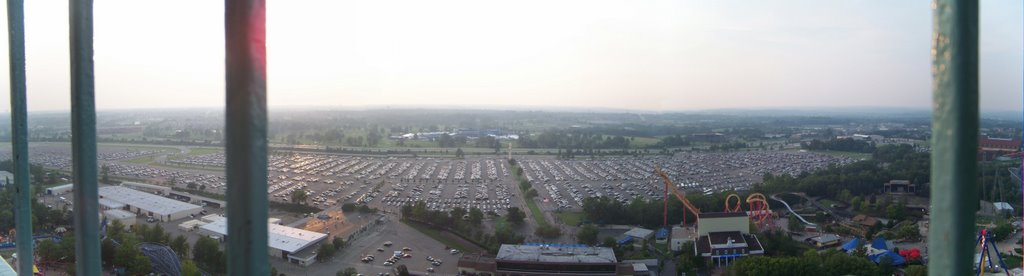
x=149, y=202
x=555, y=254
x=280, y=237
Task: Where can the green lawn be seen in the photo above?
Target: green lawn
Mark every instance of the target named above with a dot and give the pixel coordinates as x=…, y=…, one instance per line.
x=570, y=218
x=537, y=215
x=142, y=160
x=170, y=165
x=436, y=235
x=204, y=151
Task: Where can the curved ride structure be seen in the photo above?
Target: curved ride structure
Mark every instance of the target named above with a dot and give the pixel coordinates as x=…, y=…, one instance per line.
x=760, y=211
x=733, y=209
x=671, y=187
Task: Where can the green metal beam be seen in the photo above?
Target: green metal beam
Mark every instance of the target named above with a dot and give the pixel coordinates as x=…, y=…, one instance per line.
x=954, y=166
x=246, y=136
x=19, y=131
x=83, y=140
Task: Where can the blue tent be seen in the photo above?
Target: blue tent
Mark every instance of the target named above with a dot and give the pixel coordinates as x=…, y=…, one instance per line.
x=879, y=243
x=897, y=260
x=851, y=245
x=661, y=234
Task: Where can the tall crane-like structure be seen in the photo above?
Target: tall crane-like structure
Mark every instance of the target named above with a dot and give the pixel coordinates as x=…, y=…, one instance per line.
x=671, y=188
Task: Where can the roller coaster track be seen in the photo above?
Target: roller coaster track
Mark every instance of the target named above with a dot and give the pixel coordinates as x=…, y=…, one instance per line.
x=776, y=198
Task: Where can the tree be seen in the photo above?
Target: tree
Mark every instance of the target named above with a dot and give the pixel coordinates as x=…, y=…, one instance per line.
x=459, y=153
x=299, y=196
x=515, y=215
x=401, y=270
x=107, y=250
x=1002, y=231
x=324, y=252
x=180, y=246
x=106, y=173
x=207, y=254
x=189, y=268
x=587, y=234
x=338, y=242
x=130, y=257
x=794, y=224
x=475, y=216
x=916, y=270
x=348, y=271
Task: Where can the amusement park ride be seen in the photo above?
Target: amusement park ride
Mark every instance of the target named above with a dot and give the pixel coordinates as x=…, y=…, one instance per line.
x=758, y=209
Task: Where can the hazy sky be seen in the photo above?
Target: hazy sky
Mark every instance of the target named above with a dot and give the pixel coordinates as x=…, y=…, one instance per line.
x=651, y=54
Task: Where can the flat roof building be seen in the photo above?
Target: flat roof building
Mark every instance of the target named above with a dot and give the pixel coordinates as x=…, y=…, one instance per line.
x=163, y=190
x=293, y=244
x=126, y=218
x=143, y=203
x=725, y=236
x=59, y=190
x=899, y=187
x=549, y=259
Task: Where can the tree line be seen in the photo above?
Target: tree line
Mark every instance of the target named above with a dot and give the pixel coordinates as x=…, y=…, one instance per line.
x=841, y=144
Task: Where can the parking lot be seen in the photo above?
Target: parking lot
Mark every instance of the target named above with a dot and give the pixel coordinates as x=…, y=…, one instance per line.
x=372, y=244
x=564, y=184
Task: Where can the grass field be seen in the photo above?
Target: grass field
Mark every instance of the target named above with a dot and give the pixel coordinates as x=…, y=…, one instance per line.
x=142, y=160
x=203, y=151
x=169, y=165
x=437, y=235
x=537, y=215
x=123, y=147
x=570, y=218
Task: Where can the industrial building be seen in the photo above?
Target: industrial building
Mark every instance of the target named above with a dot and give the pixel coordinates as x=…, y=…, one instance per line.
x=59, y=190
x=542, y=259
x=638, y=236
x=292, y=244
x=126, y=218
x=163, y=190
x=899, y=187
x=725, y=236
x=147, y=204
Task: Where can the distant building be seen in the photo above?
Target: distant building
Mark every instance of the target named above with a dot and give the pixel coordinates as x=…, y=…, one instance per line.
x=292, y=244
x=680, y=236
x=126, y=218
x=147, y=204
x=538, y=259
x=865, y=221
x=899, y=187
x=59, y=190
x=1003, y=208
x=991, y=148
x=725, y=236
x=826, y=240
x=638, y=236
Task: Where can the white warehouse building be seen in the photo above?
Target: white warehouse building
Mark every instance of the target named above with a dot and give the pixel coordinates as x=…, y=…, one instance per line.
x=147, y=204
x=292, y=244
x=59, y=190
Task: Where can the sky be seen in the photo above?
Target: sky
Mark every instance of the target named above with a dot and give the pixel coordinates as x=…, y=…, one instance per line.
x=656, y=55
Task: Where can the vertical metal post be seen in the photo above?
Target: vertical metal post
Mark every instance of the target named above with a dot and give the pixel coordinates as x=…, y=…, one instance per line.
x=246, y=136
x=83, y=140
x=954, y=169
x=19, y=131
